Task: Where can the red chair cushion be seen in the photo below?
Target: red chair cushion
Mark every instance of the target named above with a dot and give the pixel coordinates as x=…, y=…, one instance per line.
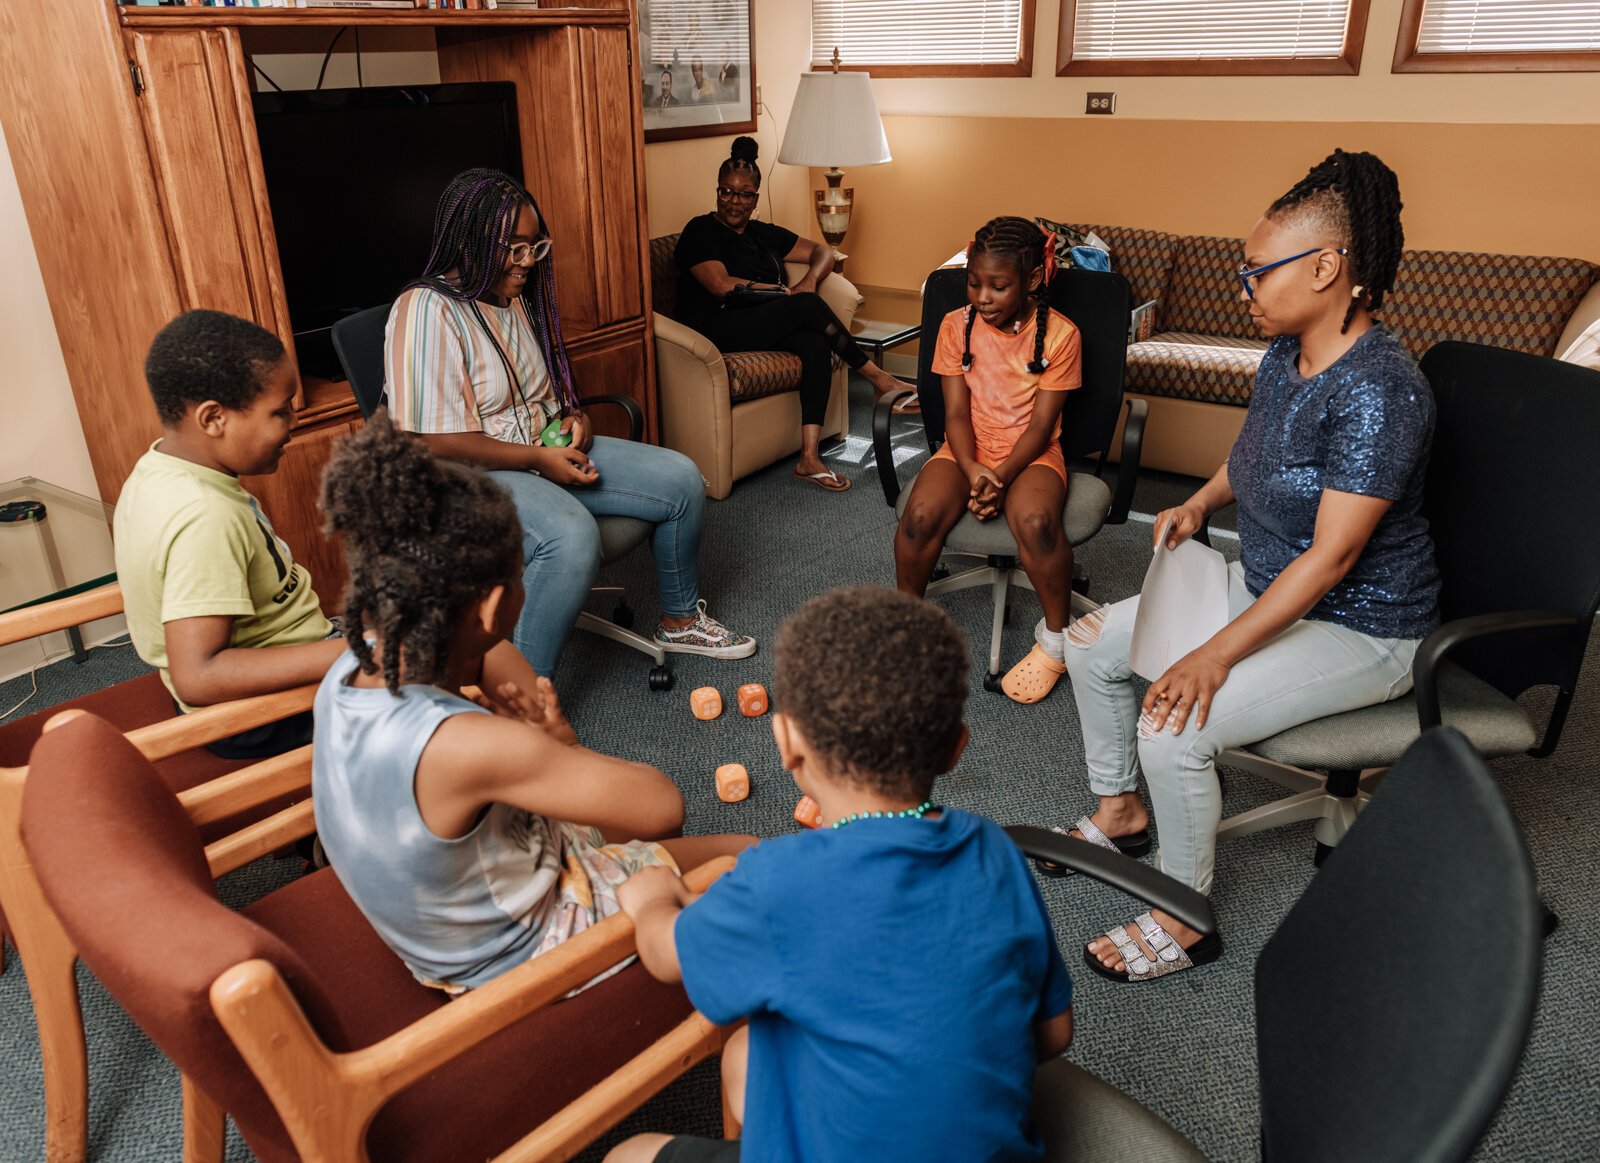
x=485, y=1100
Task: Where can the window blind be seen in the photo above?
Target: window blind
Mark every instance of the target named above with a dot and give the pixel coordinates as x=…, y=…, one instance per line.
x=711, y=31
x=1114, y=30
x=1506, y=26
x=917, y=32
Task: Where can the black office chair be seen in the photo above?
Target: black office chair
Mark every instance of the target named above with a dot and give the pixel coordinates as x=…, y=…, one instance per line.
x=1098, y=304
x=358, y=340
x=1509, y=502
x=1362, y=1054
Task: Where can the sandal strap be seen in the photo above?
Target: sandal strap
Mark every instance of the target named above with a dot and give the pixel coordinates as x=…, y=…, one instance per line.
x=1138, y=964
x=1094, y=835
x=1170, y=956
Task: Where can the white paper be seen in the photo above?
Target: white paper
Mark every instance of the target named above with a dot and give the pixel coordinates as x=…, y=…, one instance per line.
x=1183, y=603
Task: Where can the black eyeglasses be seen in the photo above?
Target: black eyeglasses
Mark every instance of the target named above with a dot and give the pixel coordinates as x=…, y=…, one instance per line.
x=731, y=195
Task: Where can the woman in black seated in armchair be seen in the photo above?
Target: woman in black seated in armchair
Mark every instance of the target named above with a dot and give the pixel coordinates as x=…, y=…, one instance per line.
x=732, y=290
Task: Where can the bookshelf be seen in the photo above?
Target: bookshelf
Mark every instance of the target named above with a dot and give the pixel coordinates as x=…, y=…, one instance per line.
x=133, y=137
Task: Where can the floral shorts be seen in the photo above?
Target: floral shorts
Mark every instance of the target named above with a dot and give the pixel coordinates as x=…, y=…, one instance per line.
x=586, y=892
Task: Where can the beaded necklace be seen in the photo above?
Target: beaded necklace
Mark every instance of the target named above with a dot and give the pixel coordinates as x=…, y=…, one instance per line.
x=915, y=813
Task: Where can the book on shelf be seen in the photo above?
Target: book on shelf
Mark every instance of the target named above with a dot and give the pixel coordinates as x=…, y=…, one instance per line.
x=358, y=4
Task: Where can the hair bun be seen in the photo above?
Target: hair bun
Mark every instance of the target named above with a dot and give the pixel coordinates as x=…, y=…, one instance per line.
x=745, y=149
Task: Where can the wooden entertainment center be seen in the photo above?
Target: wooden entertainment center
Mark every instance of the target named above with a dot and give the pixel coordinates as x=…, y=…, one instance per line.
x=135, y=148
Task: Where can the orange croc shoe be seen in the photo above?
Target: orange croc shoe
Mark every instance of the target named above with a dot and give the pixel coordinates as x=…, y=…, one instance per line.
x=1032, y=678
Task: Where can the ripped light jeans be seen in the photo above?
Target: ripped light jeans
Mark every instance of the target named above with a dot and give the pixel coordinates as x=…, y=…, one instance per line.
x=1311, y=670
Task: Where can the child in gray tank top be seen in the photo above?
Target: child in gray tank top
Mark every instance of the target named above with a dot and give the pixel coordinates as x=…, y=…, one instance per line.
x=472, y=832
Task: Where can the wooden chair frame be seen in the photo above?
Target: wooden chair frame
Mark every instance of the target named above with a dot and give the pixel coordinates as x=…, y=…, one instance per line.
x=327, y=1100
x=49, y=955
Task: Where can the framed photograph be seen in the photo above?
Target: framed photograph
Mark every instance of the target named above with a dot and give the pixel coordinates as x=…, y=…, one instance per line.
x=698, y=74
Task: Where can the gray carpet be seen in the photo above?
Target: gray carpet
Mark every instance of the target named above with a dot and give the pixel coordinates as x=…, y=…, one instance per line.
x=1185, y=1047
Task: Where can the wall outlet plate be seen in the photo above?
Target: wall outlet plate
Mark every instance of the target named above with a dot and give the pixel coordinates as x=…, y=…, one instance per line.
x=1100, y=103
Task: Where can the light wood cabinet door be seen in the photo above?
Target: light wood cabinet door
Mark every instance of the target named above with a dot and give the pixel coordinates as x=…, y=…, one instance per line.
x=200, y=129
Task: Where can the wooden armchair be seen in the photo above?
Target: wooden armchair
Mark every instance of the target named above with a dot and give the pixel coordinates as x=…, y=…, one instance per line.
x=294, y=1018
x=219, y=798
x=733, y=414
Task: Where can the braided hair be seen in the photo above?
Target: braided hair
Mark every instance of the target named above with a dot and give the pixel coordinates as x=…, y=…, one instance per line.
x=423, y=538
x=1024, y=243
x=742, y=156
x=472, y=228
x=1356, y=199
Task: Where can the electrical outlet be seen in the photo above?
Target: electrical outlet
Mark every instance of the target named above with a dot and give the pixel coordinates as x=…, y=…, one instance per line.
x=1100, y=103
x=758, y=96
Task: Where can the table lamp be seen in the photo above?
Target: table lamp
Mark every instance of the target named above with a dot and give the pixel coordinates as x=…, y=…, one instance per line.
x=834, y=123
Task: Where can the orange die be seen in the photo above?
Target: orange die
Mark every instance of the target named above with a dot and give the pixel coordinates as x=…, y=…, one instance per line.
x=752, y=700
x=733, y=783
x=705, y=702
x=806, y=812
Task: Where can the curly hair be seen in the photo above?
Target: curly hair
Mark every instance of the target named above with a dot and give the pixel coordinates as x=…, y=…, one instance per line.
x=472, y=227
x=876, y=681
x=742, y=156
x=423, y=539
x=1355, y=200
x=209, y=355
x=1020, y=240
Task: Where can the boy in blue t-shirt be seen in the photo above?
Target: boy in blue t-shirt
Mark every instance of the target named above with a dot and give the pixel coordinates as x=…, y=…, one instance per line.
x=896, y=965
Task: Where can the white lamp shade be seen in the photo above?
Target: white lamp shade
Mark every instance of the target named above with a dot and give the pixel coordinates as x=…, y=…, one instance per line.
x=834, y=122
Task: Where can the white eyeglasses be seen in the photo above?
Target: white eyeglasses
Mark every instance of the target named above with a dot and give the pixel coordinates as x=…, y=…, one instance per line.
x=530, y=252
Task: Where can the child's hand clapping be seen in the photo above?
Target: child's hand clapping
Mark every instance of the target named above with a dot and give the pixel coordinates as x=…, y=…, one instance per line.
x=538, y=708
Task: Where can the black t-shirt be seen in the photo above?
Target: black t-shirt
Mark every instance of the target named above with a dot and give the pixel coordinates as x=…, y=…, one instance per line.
x=755, y=254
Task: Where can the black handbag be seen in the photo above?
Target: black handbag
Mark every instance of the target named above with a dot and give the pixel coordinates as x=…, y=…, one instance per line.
x=744, y=295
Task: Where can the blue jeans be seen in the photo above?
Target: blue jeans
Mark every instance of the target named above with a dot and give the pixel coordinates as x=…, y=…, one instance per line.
x=561, y=542
x=1311, y=670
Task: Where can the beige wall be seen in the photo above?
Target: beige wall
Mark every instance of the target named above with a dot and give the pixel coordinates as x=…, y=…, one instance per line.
x=1487, y=161
x=40, y=435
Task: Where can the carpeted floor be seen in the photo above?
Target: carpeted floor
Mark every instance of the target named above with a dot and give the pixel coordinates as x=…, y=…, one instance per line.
x=1185, y=1047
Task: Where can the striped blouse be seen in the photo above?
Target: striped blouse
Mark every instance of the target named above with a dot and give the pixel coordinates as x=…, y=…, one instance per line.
x=442, y=373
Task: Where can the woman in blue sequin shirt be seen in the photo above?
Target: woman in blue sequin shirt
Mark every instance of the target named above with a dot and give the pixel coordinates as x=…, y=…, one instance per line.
x=1336, y=585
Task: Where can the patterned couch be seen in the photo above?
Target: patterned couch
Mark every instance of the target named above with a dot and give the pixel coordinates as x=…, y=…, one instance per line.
x=733, y=414
x=1196, y=359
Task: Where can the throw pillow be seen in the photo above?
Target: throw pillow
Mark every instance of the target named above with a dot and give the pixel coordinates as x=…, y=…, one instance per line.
x=1585, y=350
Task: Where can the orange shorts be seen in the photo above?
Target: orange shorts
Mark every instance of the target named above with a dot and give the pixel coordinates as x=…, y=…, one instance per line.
x=1050, y=457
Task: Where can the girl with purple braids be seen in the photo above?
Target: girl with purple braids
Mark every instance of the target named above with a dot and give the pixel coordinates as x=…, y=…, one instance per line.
x=475, y=364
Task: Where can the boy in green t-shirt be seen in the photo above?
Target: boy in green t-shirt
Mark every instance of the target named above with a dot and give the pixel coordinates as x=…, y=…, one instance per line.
x=213, y=596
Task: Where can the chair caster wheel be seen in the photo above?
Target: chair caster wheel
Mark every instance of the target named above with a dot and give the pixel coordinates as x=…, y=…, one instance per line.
x=1080, y=585
x=991, y=682
x=940, y=572
x=1323, y=850
x=660, y=678
x=623, y=616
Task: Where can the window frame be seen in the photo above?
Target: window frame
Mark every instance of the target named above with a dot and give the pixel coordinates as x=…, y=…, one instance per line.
x=1408, y=60
x=1347, y=63
x=1023, y=67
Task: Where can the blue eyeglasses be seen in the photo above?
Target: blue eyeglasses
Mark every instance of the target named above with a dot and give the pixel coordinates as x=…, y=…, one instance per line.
x=1248, y=275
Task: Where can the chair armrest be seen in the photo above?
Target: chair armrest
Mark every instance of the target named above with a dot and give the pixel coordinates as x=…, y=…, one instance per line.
x=1123, y=872
x=1548, y=624
x=61, y=614
x=208, y=724
x=1142, y=323
x=299, y=1073
x=882, y=449
x=629, y=405
x=1128, y=465
x=678, y=335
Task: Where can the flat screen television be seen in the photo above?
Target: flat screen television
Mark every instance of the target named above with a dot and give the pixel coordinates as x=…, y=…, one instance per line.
x=353, y=176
